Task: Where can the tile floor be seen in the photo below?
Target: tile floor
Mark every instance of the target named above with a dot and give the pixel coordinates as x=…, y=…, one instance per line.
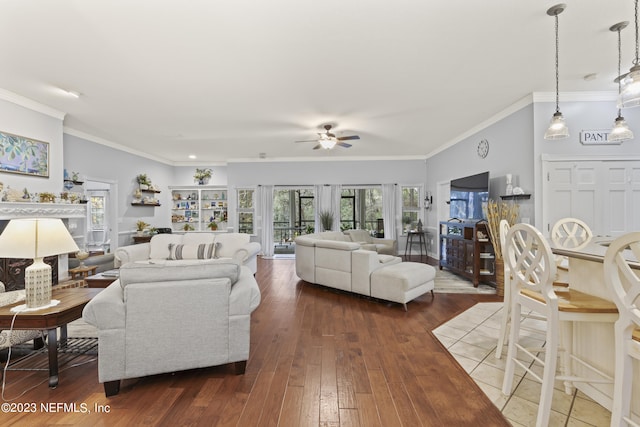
x=471, y=338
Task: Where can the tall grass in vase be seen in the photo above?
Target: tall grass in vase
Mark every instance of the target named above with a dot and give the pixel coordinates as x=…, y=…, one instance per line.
x=496, y=212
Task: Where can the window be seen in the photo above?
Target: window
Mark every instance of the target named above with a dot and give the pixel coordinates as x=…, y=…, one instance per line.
x=361, y=208
x=411, y=197
x=246, y=211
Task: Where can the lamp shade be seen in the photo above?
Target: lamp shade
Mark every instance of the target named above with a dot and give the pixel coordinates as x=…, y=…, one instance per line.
x=557, y=129
x=35, y=238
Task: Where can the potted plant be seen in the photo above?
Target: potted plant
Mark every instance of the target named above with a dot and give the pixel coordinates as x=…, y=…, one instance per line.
x=187, y=227
x=202, y=176
x=140, y=226
x=326, y=220
x=213, y=226
x=143, y=181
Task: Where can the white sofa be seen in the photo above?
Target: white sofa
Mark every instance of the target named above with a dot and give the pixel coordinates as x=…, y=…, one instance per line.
x=332, y=259
x=165, y=318
x=380, y=245
x=227, y=245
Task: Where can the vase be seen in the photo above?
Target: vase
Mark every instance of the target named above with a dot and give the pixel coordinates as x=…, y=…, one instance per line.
x=509, y=189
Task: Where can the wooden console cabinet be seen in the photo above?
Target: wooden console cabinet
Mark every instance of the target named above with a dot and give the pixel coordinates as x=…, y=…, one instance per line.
x=466, y=250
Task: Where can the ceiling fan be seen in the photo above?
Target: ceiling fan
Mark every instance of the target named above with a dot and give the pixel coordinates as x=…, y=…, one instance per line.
x=328, y=140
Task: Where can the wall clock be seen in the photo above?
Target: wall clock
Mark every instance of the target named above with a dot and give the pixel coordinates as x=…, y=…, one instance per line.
x=483, y=148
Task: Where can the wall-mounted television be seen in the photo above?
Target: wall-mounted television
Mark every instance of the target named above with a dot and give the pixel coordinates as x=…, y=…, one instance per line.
x=468, y=194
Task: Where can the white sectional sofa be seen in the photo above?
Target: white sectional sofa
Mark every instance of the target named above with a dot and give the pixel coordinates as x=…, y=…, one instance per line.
x=332, y=259
x=217, y=245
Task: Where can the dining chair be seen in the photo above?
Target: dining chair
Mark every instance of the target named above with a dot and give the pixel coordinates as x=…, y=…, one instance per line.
x=623, y=281
x=571, y=233
x=533, y=268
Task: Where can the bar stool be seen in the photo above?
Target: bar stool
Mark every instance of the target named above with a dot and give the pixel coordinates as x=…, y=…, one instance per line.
x=624, y=283
x=571, y=233
x=533, y=269
x=506, y=308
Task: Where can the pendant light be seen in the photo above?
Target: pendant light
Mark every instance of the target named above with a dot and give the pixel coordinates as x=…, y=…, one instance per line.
x=620, y=131
x=557, y=129
x=630, y=94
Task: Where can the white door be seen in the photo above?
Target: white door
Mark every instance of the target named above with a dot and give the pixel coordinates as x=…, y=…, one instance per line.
x=621, y=197
x=604, y=194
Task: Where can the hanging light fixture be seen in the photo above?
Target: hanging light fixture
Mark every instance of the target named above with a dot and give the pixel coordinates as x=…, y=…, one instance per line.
x=620, y=131
x=557, y=129
x=630, y=94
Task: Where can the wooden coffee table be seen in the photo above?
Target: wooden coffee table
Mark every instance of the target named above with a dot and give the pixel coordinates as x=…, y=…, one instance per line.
x=100, y=280
x=72, y=301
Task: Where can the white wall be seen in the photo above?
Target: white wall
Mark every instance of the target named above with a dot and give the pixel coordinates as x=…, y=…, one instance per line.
x=100, y=162
x=43, y=126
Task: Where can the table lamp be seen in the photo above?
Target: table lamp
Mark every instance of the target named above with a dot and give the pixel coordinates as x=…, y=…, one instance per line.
x=36, y=238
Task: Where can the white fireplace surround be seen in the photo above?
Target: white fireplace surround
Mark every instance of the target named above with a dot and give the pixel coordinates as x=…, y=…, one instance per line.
x=68, y=211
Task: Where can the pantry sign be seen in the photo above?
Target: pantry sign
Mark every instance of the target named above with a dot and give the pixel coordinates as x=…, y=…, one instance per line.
x=597, y=137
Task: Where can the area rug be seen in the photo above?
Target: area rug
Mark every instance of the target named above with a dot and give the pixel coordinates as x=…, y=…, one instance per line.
x=448, y=283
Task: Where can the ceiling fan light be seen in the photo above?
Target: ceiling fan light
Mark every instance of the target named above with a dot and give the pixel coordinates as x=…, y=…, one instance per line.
x=620, y=131
x=558, y=128
x=327, y=143
x=630, y=92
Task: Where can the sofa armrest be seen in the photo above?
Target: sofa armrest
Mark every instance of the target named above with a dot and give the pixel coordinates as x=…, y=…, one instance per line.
x=334, y=244
x=106, y=310
x=132, y=253
x=247, y=252
x=388, y=242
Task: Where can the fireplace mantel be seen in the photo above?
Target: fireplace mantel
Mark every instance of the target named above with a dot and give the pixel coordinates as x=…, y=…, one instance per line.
x=73, y=215
x=10, y=210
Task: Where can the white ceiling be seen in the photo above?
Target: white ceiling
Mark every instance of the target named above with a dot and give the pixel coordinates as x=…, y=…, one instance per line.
x=228, y=80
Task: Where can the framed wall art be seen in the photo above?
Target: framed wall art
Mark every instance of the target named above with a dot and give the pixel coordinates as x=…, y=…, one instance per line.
x=22, y=155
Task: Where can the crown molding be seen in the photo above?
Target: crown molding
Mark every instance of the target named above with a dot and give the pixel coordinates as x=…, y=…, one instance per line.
x=30, y=104
x=326, y=159
x=114, y=145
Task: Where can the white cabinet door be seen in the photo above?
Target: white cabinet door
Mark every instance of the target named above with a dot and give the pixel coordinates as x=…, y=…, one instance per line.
x=573, y=190
x=621, y=197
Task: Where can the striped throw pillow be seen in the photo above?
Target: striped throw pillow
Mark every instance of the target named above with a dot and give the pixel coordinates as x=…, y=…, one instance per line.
x=201, y=251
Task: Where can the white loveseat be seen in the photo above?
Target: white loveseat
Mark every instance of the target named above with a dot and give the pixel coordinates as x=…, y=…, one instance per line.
x=332, y=259
x=165, y=318
x=227, y=245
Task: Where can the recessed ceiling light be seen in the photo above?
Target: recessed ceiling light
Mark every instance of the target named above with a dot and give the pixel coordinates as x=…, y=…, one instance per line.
x=192, y=156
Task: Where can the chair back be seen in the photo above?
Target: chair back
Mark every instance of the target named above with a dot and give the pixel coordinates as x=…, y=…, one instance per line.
x=571, y=233
x=622, y=279
x=531, y=262
x=503, y=228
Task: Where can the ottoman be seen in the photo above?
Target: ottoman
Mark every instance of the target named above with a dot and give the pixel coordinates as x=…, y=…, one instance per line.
x=402, y=282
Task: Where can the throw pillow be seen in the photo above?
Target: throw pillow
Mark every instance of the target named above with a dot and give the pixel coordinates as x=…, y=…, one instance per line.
x=201, y=251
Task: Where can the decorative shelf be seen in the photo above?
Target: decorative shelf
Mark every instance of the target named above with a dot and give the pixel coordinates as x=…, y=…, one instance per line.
x=74, y=182
x=516, y=196
x=150, y=191
x=144, y=204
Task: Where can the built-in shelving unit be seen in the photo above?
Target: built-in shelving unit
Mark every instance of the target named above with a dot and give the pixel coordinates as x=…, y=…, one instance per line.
x=194, y=208
x=465, y=249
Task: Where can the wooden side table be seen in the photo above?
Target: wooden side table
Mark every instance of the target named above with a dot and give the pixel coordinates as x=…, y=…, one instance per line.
x=100, y=281
x=82, y=272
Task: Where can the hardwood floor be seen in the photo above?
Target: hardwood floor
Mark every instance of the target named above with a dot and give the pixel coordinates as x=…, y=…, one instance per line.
x=319, y=357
